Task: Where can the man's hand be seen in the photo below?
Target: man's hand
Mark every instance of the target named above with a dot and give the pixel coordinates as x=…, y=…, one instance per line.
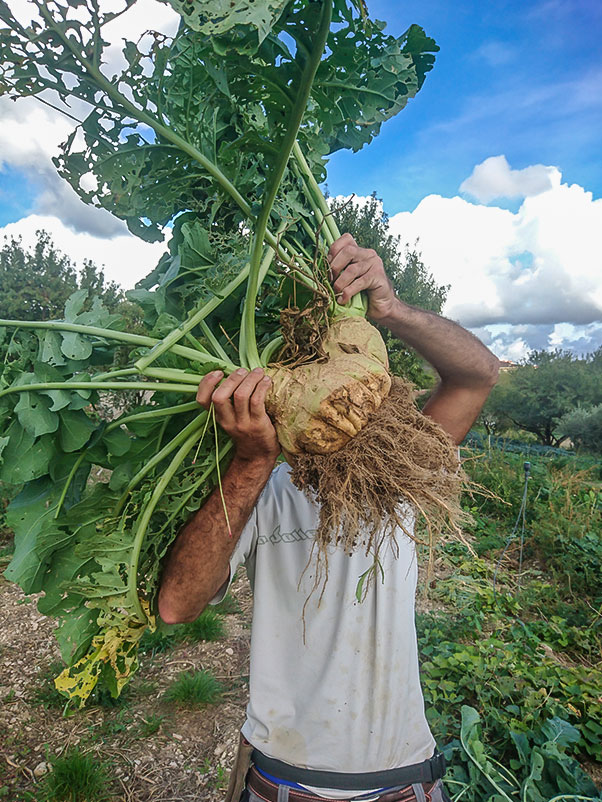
x=239, y=403
x=356, y=269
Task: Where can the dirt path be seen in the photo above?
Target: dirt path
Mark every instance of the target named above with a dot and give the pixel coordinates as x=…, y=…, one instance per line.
x=186, y=759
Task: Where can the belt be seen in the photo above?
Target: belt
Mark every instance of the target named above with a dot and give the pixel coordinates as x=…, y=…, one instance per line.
x=268, y=791
x=426, y=772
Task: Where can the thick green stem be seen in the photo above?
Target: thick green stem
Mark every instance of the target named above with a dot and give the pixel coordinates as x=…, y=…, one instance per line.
x=248, y=348
x=144, y=519
x=316, y=192
x=321, y=219
x=214, y=342
x=149, y=414
x=169, y=374
x=152, y=387
x=159, y=457
x=68, y=481
x=169, y=342
x=105, y=334
x=270, y=349
x=116, y=374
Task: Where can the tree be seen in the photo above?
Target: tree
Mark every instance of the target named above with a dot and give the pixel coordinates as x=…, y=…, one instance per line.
x=584, y=427
x=36, y=282
x=545, y=387
x=369, y=226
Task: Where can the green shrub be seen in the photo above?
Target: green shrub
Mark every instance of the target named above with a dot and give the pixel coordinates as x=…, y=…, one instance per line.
x=584, y=426
x=161, y=640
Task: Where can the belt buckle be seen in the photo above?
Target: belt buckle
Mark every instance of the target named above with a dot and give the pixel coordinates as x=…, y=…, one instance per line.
x=437, y=766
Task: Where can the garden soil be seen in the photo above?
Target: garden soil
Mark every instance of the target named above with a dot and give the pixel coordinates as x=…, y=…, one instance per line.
x=187, y=759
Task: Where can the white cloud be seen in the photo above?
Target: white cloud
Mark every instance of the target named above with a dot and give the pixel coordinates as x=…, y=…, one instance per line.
x=494, y=178
x=125, y=258
x=31, y=133
x=521, y=281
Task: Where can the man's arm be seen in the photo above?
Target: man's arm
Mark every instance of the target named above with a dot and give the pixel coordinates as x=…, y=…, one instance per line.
x=467, y=369
x=198, y=563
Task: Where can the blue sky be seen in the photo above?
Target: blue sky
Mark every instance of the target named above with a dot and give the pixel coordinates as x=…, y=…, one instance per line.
x=495, y=169
x=513, y=78
x=17, y=194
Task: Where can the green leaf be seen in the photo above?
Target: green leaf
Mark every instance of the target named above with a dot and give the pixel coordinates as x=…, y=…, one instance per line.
x=50, y=349
x=75, y=431
x=75, y=632
x=75, y=346
x=75, y=304
x=118, y=442
x=24, y=457
x=214, y=17
x=34, y=414
x=28, y=515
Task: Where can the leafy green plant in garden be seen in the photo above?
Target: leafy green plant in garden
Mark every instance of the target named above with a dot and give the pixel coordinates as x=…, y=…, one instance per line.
x=548, y=773
x=564, y=513
x=223, y=132
x=511, y=674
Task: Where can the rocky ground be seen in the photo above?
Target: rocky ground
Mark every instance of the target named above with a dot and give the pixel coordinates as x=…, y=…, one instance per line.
x=187, y=757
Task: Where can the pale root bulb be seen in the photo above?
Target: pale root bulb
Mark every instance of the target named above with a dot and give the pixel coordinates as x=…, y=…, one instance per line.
x=317, y=408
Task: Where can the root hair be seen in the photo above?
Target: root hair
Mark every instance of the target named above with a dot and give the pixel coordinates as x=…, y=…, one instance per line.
x=400, y=461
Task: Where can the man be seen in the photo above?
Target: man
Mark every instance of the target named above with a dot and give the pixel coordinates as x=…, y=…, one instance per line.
x=336, y=709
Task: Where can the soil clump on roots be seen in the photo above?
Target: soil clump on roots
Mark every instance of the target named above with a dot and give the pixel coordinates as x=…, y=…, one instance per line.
x=399, y=458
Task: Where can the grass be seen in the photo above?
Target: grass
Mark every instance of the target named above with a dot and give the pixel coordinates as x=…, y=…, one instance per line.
x=151, y=725
x=209, y=626
x=229, y=605
x=74, y=777
x=194, y=688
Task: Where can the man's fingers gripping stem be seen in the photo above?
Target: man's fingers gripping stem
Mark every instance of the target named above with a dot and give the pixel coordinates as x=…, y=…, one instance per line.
x=239, y=403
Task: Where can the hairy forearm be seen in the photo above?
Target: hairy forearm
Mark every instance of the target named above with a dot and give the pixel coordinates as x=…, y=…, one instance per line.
x=198, y=563
x=457, y=355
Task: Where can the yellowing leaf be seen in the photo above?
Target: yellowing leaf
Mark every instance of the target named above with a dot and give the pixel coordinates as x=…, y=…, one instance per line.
x=116, y=648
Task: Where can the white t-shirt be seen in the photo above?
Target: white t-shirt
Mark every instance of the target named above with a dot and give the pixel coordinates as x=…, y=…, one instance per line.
x=348, y=698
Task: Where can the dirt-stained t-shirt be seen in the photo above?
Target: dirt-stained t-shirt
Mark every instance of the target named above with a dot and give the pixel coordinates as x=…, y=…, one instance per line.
x=346, y=697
